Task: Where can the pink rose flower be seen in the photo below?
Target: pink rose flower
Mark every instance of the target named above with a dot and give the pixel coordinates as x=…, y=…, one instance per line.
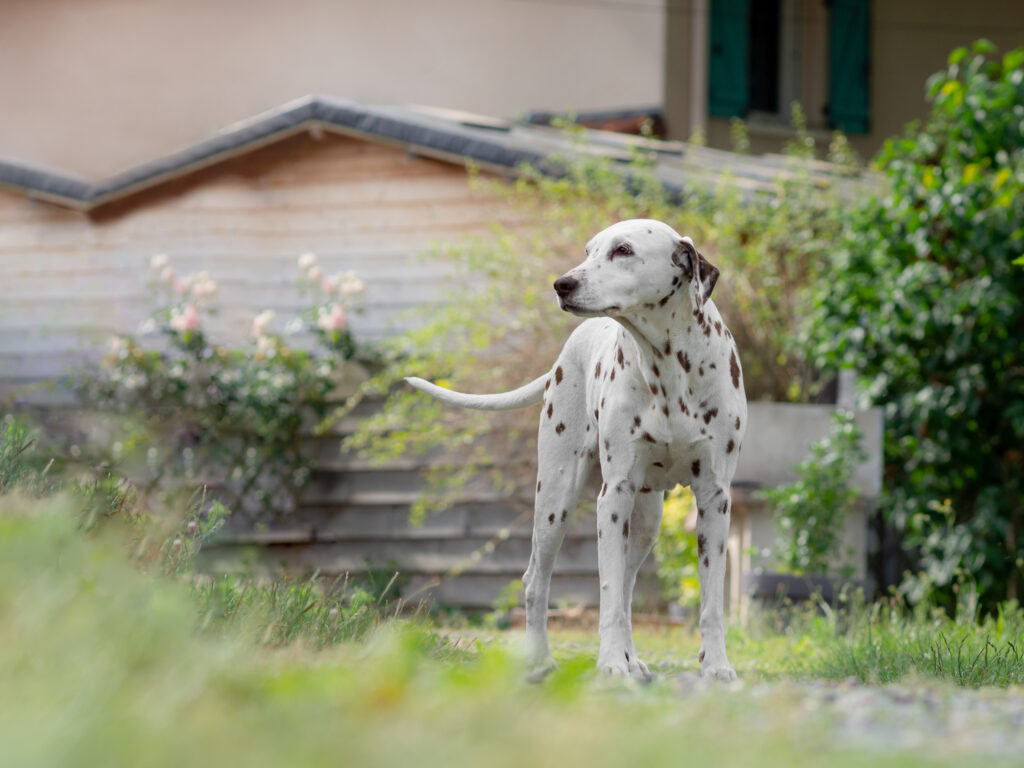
x=185, y=320
x=333, y=319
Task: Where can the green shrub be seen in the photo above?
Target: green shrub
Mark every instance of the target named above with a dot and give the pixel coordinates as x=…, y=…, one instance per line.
x=923, y=299
x=675, y=550
x=810, y=512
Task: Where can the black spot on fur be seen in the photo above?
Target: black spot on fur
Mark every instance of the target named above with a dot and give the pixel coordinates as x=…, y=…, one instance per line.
x=684, y=360
x=700, y=512
x=647, y=436
x=718, y=327
x=700, y=657
x=607, y=445
x=729, y=446
x=560, y=428
x=724, y=508
x=734, y=370
x=538, y=486
x=737, y=422
x=664, y=300
x=597, y=369
x=682, y=406
x=597, y=415
x=664, y=392
x=700, y=370
x=611, y=376
x=709, y=415
x=551, y=407
x=668, y=347
x=615, y=517
x=664, y=409
x=655, y=370
x=551, y=518
x=654, y=389
x=547, y=384
x=705, y=561
x=558, y=375
x=645, y=489
x=604, y=489
x=622, y=363
x=721, y=548
x=636, y=421
x=625, y=529
x=695, y=468
x=565, y=514
x=701, y=541
x=599, y=533
x=658, y=464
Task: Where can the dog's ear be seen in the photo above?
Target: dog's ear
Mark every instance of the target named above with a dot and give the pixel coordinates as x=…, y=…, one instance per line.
x=708, y=276
x=701, y=272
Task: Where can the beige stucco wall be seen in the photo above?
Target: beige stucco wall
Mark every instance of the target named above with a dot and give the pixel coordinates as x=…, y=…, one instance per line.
x=911, y=39
x=95, y=86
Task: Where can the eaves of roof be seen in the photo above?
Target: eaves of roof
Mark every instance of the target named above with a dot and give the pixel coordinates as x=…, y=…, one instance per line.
x=487, y=143
x=417, y=131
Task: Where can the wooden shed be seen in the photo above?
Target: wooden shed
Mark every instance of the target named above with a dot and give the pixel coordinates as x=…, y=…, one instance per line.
x=368, y=189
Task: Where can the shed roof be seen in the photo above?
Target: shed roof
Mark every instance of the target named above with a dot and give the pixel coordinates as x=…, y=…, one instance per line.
x=456, y=137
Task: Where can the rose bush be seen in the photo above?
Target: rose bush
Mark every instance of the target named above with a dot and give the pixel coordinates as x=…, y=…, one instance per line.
x=230, y=416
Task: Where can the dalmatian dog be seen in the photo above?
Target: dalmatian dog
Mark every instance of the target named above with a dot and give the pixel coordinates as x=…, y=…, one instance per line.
x=649, y=389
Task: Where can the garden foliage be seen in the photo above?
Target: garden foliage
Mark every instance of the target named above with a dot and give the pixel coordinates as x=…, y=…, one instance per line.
x=924, y=300
x=811, y=511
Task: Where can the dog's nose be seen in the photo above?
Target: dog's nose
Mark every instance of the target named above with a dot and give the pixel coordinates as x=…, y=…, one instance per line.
x=566, y=285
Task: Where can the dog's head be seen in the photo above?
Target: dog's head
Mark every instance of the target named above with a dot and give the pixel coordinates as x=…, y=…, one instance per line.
x=634, y=266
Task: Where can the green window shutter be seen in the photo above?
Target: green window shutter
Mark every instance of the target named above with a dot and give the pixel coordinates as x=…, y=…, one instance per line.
x=850, y=65
x=728, y=83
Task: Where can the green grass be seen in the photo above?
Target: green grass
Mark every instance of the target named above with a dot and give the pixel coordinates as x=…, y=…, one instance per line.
x=112, y=652
x=104, y=663
x=884, y=644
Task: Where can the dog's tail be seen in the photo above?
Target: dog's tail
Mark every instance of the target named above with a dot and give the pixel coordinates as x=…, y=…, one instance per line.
x=528, y=394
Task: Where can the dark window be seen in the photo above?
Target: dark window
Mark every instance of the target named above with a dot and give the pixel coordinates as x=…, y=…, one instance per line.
x=765, y=17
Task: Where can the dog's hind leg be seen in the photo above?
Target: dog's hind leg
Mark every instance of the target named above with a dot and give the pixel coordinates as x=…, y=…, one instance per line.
x=560, y=480
x=643, y=531
x=714, y=506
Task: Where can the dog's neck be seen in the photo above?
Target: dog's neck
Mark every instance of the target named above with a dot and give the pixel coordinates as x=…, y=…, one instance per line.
x=663, y=330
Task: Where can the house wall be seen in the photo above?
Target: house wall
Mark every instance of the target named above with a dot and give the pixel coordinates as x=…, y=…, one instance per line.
x=910, y=40
x=71, y=280
x=95, y=87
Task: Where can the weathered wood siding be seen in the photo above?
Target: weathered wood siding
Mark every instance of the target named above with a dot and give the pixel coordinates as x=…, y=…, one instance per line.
x=71, y=280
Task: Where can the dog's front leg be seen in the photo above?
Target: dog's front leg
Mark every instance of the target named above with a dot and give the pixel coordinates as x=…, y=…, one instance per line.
x=614, y=510
x=713, y=511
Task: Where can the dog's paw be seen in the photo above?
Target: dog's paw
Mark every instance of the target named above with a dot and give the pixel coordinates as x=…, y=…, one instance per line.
x=536, y=672
x=633, y=669
x=723, y=673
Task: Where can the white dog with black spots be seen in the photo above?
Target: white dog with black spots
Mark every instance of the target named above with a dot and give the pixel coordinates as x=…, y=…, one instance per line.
x=650, y=389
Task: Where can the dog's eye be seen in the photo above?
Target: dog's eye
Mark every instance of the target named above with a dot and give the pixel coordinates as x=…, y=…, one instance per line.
x=624, y=249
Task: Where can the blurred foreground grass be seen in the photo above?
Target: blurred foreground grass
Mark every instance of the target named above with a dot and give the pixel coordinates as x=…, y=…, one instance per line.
x=103, y=663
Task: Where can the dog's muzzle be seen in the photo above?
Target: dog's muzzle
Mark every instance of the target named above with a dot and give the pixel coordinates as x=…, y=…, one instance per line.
x=565, y=285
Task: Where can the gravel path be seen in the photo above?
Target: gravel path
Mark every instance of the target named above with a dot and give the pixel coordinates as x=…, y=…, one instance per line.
x=921, y=716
